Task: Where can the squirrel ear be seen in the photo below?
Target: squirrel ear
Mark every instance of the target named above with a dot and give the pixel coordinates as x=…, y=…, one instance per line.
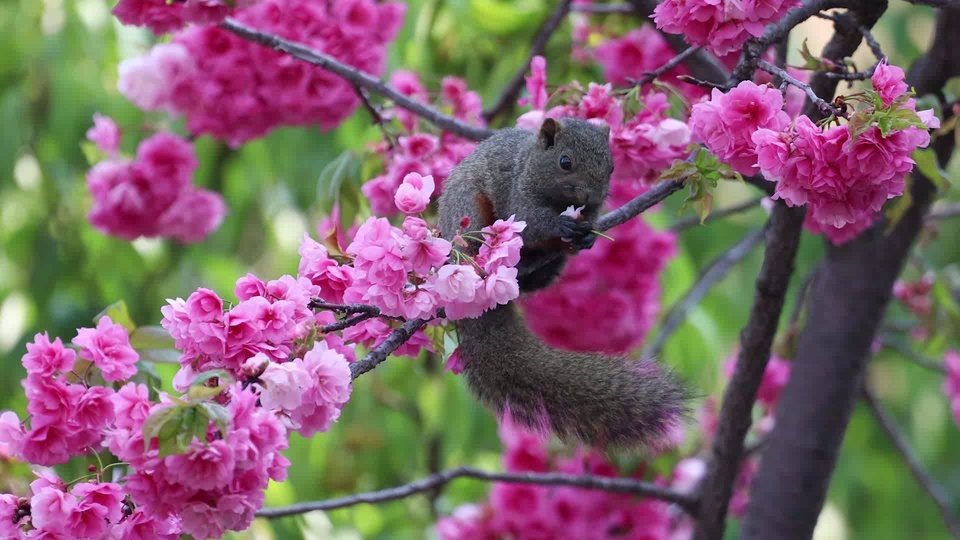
x=548, y=132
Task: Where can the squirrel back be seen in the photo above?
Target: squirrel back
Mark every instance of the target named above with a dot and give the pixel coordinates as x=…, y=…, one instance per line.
x=599, y=400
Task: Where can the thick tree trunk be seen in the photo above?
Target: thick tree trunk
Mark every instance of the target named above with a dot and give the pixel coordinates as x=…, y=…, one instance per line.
x=847, y=302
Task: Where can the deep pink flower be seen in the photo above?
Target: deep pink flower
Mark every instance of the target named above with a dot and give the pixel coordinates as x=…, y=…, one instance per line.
x=46, y=358
x=537, y=83
x=205, y=465
x=888, y=81
x=108, y=347
x=50, y=509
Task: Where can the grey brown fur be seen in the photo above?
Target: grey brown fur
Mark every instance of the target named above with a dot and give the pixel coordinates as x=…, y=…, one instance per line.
x=603, y=401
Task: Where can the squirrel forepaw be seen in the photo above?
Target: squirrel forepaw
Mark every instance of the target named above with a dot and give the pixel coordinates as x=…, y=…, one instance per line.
x=578, y=233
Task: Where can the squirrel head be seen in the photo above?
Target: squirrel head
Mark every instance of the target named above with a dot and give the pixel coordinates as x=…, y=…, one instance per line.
x=571, y=164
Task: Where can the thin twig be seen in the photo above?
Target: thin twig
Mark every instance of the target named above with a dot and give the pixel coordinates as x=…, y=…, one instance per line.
x=649, y=76
x=374, y=114
x=510, y=92
x=922, y=476
x=694, y=221
x=825, y=107
x=710, y=276
x=913, y=356
x=602, y=483
x=317, y=303
x=359, y=78
x=706, y=84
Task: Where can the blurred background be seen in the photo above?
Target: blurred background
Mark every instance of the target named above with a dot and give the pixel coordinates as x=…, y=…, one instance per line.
x=59, y=67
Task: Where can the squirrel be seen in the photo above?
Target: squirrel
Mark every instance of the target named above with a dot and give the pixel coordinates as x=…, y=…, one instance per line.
x=598, y=400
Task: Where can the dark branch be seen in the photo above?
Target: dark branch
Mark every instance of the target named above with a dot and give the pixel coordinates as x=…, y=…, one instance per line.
x=397, y=338
x=825, y=107
x=694, y=221
x=358, y=78
x=317, y=303
x=710, y=276
x=639, y=204
x=347, y=323
x=649, y=76
x=510, y=92
x=926, y=481
x=783, y=239
x=375, y=114
x=434, y=481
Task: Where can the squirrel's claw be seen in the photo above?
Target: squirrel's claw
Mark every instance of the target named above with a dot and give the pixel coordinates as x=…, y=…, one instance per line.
x=578, y=233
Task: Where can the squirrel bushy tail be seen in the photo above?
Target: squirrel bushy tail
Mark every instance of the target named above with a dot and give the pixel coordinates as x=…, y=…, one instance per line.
x=599, y=400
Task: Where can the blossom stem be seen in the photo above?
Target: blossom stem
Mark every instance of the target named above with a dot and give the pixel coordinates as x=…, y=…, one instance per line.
x=826, y=109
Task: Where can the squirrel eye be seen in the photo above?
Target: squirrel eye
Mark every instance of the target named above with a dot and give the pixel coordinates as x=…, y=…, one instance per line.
x=565, y=163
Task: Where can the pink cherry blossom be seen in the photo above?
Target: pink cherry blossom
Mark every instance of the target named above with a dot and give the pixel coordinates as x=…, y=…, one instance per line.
x=282, y=385
x=46, y=358
x=536, y=84
x=414, y=193
x=888, y=81
x=50, y=509
x=722, y=27
x=105, y=134
x=108, y=347
x=727, y=122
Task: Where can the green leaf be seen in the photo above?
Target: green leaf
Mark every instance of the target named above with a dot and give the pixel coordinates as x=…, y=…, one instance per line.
x=219, y=414
x=92, y=153
x=157, y=420
x=681, y=169
x=151, y=337
x=502, y=18
x=951, y=90
x=119, y=314
x=437, y=337
x=199, y=391
x=809, y=60
x=927, y=164
x=332, y=176
x=941, y=293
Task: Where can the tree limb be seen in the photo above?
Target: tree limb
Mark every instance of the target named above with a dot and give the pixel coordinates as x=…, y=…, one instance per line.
x=847, y=302
x=783, y=239
x=644, y=202
x=397, y=338
x=649, y=76
x=510, y=92
x=359, y=78
x=429, y=483
x=824, y=107
x=710, y=276
x=919, y=472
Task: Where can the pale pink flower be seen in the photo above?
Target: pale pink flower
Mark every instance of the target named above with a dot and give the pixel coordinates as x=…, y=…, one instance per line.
x=105, y=134
x=50, y=509
x=282, y=385
x=413, y=195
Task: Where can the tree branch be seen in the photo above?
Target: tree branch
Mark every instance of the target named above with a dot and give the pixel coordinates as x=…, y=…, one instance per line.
x=657, y=193
x=926, y=481
x=358, y=78
x=824, y=107
x=847, y=302
x=434, y=481
x=347, y=323
x=397, y=338
x=783, y=239
x=710, y=276
x=649, y=76
x=510, y=92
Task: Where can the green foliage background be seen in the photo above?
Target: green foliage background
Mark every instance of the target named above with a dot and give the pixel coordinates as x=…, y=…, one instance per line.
x=56, y=272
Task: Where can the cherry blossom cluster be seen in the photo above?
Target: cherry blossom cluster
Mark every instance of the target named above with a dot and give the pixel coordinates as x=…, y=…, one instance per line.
x=405, y=271
x=162, y=16
x=418, y=151
x=152, y=194
x=237, y=90
x=720, y=26
x=845, y=173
